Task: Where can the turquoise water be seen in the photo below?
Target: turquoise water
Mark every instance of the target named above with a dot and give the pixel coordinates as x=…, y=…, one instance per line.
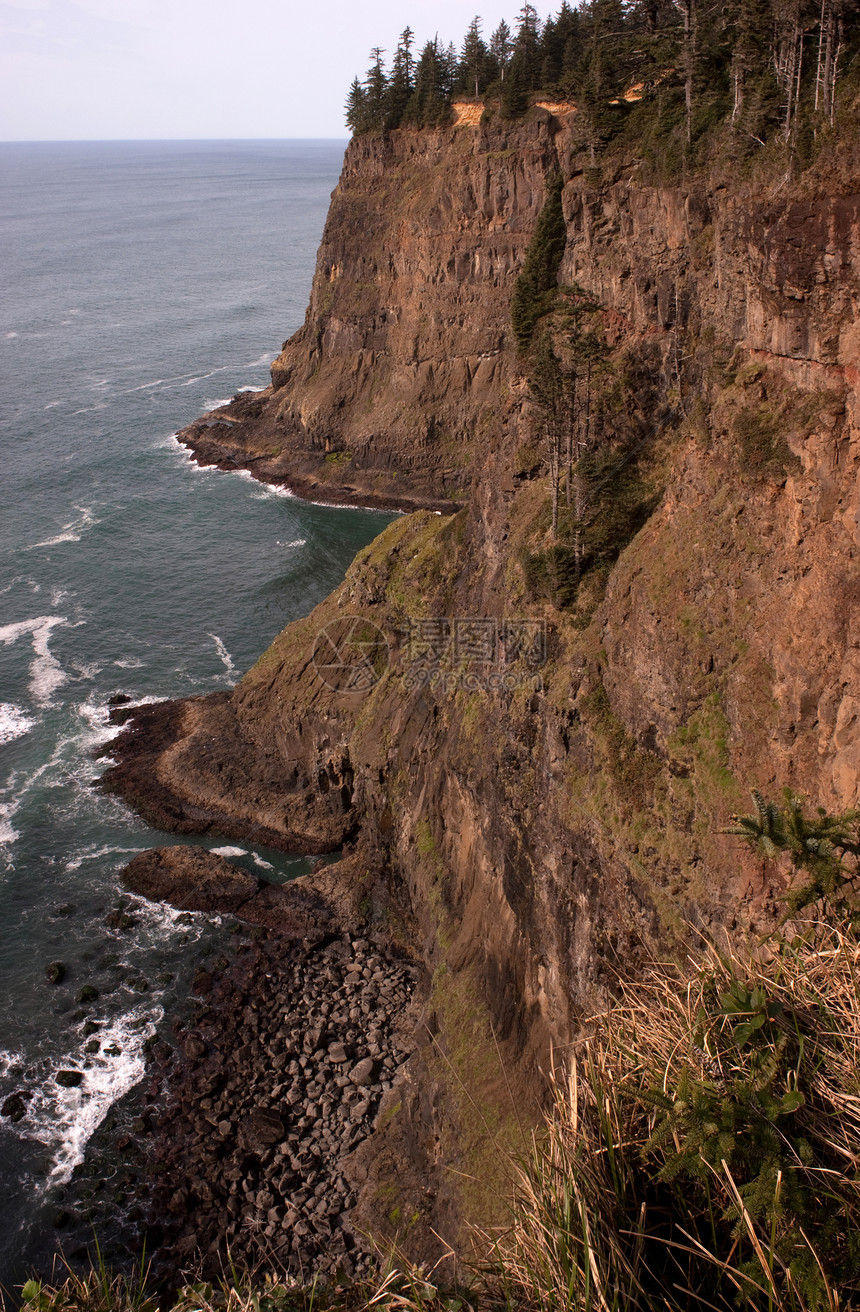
x=144, y=282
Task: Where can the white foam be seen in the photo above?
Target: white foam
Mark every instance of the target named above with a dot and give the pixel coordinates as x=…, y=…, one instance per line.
x=96, y=853
x=65, y=1119
x=8, y=835
x=297, y=542
x=241, y=851
x=130, y=663
x=10, y=335
x=14, y=722
x=226, y=658
x=267, y=490
x=71, y=532
x=46, y=673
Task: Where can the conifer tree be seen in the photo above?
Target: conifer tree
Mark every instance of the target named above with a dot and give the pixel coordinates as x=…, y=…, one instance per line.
x=375, y=92
x=474, y=59
x=400, y=83
x=501, y=48
x=356, y=110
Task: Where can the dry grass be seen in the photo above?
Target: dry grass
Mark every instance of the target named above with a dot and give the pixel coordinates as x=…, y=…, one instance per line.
x=702, y=1151
x=635, y=1200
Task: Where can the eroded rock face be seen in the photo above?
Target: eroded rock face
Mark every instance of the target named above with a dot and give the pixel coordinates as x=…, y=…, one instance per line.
x=548, y=833
x=390, y=390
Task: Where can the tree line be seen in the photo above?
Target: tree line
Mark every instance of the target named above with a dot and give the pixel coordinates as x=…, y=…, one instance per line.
x=766, y=66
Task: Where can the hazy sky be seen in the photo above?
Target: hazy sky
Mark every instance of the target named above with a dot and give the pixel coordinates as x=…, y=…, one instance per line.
x=98, y=69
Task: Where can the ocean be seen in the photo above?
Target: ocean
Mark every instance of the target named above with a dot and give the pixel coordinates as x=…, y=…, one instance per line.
x=144, y=282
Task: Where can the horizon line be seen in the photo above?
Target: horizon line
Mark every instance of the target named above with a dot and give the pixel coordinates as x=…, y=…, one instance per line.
x=130, y=141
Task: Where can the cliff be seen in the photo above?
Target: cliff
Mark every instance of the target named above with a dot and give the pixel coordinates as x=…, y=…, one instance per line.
x=530, y=816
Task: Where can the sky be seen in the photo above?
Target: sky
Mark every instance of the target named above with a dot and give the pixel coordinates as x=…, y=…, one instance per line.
x=77, y=70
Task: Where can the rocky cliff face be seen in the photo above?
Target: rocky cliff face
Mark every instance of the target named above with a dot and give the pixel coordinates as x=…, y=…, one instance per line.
x=544, y=821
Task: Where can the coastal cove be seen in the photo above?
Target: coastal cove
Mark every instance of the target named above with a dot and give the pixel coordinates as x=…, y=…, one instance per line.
x=148, y=280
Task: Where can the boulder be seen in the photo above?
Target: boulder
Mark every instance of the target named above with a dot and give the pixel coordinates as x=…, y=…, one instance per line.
x=363, y=1072
x=262, y=1130
x=69, y=1079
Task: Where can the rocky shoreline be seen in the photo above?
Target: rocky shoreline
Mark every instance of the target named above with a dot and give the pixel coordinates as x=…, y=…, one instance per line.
x=243, y=1139
x=244, y=436
x=257, y=1114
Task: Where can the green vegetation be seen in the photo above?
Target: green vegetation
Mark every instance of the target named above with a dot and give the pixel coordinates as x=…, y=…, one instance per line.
x=824, y=850
x=536, y=287
x=700, y=1151
x=677, y=78
x=600, y=492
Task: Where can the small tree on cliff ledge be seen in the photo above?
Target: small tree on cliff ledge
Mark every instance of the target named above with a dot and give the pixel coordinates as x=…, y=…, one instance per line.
x=536, y=287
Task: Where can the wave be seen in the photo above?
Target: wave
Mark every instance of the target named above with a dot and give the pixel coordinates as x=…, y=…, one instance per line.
x=46, y=673
x=96, y=853
x=296, y=542
x=14, y=722
x=71, y=532
x=267, y=490
x=65, y=1119
x=241, y=851
x=226, y=658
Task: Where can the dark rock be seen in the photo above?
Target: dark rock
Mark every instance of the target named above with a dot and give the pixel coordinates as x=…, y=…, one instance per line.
x=89, y=993
x=119, y=699
x=194, y=1047
x=120, y=920
x=15, y=1106
x=60, y=1218
x=262, y=1129
x=55, y=972
x=69, y=1079
x=189, y=878
x=363, y=1072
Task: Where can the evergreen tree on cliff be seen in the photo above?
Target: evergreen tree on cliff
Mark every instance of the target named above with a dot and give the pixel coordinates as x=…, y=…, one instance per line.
x=401, y=83
x=474, y=61
x=375, y=92
x=356, y=109
x=501, y=48
x=429, y=104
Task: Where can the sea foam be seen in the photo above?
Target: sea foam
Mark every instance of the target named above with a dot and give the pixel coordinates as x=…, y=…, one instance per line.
x=14, y=722
x=46, y=673
x=71, y=532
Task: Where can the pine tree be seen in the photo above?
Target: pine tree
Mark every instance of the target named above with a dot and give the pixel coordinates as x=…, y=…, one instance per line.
x=429, y=104
x=400, y=83
x=375, y=92
x=527, y=46
x=356, y=108
x=501, y=48
x=474, y=60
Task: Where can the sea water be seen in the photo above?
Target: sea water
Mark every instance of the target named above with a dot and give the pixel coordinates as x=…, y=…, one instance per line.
x=143, y=283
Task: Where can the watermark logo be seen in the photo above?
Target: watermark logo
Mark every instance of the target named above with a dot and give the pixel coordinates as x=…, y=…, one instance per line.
x=472, y=653
x=351, y=654
x=475, y=653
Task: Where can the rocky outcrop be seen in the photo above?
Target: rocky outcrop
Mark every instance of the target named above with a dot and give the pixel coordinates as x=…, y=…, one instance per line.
x=549, y=813
x=391, y=391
